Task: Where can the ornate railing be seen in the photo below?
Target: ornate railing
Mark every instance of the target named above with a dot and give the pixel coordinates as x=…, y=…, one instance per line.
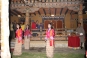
x=60, y=34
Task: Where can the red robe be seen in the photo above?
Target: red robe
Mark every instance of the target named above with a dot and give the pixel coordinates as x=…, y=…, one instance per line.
x=27, y=32
x=50, y=35
x=19, y=35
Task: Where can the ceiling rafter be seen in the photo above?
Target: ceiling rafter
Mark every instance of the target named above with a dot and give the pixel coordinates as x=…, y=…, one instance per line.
x=61, y=11
x=66, y=11
x=55, y=11
x=23, y=13
x=14, y=12
x=34, y=13
x=30, y=14
x=58, y=10
x=19, y=13
x=11, y=14
x=52, y=11
x=44, y=11
x=49, y=11
x=74, y=12
x=71, y=11
x=39, y=12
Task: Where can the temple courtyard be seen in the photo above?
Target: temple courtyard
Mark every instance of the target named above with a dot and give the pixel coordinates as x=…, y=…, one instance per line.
x=38, y=50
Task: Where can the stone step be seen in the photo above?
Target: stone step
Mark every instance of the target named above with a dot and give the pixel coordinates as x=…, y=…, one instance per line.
x=43, y=44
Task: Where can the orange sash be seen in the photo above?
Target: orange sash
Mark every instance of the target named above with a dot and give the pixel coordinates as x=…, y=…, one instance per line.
x=51, y=42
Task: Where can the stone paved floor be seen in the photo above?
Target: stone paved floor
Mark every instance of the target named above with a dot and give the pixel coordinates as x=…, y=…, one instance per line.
x=57, y=50
x=43, y=43
x=61, y=47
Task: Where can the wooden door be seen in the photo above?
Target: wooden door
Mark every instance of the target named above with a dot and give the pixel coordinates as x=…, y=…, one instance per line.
x=59, y=24
x=46, y=22
x=54, y=23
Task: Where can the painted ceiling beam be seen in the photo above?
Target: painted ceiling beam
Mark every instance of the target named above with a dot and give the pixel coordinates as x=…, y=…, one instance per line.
x=44, y=11
x=66, y=11
x=61, y=11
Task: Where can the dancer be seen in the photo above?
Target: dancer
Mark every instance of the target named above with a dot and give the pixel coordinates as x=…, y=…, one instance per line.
x=50, y=41
x=27, y=35
x=18, y=43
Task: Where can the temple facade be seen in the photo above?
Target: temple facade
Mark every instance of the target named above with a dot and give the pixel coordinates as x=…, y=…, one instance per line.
x=63, y=14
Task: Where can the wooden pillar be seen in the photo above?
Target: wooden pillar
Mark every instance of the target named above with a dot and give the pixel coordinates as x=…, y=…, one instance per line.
x=27, y=40
x=5, y=53
x=80, y=15
x=27, y=17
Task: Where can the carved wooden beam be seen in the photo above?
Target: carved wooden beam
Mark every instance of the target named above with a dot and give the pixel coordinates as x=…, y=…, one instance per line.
x=48, y=5
x=22, y=7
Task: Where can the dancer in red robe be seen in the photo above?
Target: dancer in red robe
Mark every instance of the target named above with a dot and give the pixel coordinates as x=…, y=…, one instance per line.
x=18, y=43
x=49, y=41
x=27, y=34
